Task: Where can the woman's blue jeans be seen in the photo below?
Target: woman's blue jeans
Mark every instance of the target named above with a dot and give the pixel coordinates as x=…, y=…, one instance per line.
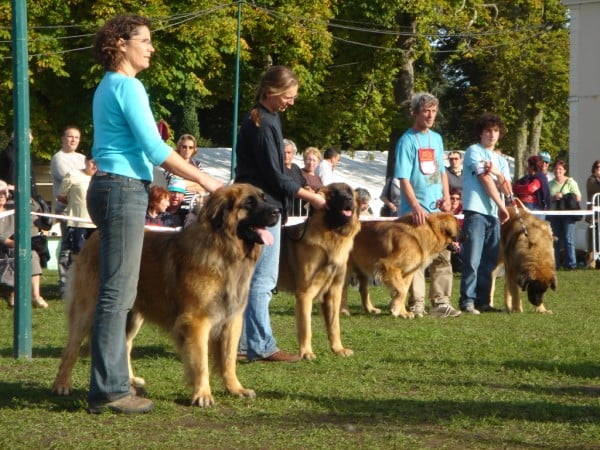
x=257, y=339
x=563, y=227
x=117, y=205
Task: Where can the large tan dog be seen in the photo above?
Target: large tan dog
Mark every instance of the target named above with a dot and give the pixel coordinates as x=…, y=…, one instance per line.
x=392, y=251
x=313, y=264
x=527, y=254
x=193, y=283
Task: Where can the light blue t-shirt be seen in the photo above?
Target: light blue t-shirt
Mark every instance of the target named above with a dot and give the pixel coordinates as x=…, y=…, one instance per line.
x=423, y=173
x=474, y=196
x=126, y=138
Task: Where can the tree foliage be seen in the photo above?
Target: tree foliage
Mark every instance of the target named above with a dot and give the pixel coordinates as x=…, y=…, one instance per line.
x=359, y=62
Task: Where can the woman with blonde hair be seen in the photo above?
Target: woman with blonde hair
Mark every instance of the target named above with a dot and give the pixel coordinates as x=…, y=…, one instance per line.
x=312, y=158
x=188, y=148
x=260, y=156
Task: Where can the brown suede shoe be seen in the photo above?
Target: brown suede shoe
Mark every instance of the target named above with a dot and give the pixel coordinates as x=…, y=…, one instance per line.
x=130, y=404
x=281, y=356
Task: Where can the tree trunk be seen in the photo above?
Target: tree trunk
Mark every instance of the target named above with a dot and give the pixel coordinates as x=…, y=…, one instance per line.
x=404, y=86
x=536, y=131
x=521, y=146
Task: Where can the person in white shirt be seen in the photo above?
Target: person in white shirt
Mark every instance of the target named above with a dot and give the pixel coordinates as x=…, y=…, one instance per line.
x=64, y=161
x=73, y=192
x=325, y=169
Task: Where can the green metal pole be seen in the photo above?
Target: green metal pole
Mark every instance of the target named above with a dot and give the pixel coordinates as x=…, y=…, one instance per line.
x=22, y=315
x=236, y=91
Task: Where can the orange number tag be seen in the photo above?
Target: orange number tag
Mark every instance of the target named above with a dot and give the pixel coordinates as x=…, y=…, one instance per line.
x=427, y=160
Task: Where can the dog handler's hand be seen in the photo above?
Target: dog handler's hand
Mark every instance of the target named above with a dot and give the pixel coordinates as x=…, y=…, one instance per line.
x=503, y=215
x=317, y=201
x=419, y=215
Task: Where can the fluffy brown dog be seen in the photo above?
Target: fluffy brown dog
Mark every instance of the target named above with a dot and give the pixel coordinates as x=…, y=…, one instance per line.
x=527, y=254
x=193, y=283
x=313, y=264
x=392, y=251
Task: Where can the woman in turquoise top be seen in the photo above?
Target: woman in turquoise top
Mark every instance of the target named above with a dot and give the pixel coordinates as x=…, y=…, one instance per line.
x=126, y=146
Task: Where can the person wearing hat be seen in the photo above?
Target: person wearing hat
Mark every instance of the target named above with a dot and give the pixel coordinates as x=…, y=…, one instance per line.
x=175, y=215
x=546, y=160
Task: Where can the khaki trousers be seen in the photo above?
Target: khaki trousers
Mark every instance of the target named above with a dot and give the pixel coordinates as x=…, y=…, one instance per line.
x=440, y=288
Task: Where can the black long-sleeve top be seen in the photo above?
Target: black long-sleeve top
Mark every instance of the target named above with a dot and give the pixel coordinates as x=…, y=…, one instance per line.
x=259, y=159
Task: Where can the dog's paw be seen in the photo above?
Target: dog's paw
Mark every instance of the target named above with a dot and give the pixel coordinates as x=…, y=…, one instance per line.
x=62, y=388
x=203, y=400
x=245, y=393
x=345, y=352
x=309, y=356
x=542, y=310
x=137, y=382
x=403, y=314
x=345, y=312
x=374, y=310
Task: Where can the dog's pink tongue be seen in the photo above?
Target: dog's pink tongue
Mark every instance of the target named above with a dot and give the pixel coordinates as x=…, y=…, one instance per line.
x=265, y=236
x=347, y=212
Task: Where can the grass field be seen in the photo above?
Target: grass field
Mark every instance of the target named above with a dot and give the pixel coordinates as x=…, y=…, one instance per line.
x=491, y=381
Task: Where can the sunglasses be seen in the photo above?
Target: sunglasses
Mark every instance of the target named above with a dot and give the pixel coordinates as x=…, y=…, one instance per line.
x=452, y=159
x=454, y=198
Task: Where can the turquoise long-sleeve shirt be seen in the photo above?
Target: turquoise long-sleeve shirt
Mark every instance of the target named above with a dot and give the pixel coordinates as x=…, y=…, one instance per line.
x=126, y=138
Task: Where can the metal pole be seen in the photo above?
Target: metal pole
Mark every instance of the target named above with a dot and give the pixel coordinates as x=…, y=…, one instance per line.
x=236, y=92
x=22, y=315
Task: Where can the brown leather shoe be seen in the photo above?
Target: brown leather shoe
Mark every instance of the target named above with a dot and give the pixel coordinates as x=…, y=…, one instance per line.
x=281, y=356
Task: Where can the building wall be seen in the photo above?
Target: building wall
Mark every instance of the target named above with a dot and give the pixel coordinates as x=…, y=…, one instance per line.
x=584, y=88
x=584, y=97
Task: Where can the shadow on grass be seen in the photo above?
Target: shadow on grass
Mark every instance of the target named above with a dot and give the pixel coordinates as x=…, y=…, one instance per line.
x=342, y=410
x=139, y=352
x=414, y=411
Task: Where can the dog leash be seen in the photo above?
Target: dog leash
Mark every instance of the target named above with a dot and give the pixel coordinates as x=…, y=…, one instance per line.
x=514, y=203
x=304, y=228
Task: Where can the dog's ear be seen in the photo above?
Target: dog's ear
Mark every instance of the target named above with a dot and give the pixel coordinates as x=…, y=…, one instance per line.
x=217, y=210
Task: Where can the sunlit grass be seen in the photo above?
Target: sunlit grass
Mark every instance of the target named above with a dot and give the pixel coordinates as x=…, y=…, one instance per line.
x=489, y=381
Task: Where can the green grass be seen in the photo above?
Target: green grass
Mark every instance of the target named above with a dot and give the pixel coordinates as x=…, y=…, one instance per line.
x=489, y=381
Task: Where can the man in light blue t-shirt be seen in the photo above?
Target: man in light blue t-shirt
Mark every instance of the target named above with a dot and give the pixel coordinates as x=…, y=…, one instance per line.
x=424, y=189
x=485, y=178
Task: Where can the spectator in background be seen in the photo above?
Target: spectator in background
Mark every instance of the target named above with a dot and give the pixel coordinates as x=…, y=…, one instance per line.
x=72, y=193
x=293, y=204
x=312, y=158
x=532, y=189
x=592, y=188
x=546, y=161
x=158, y=201
x=363, y=198
x=175, y=214
x=390, y=196
x=424, y=187
x=454, y=171
x=187, y=148
x=325, y=169
x=66, y=160
x=563, y=227
x=456, y=209
x=7, y=250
